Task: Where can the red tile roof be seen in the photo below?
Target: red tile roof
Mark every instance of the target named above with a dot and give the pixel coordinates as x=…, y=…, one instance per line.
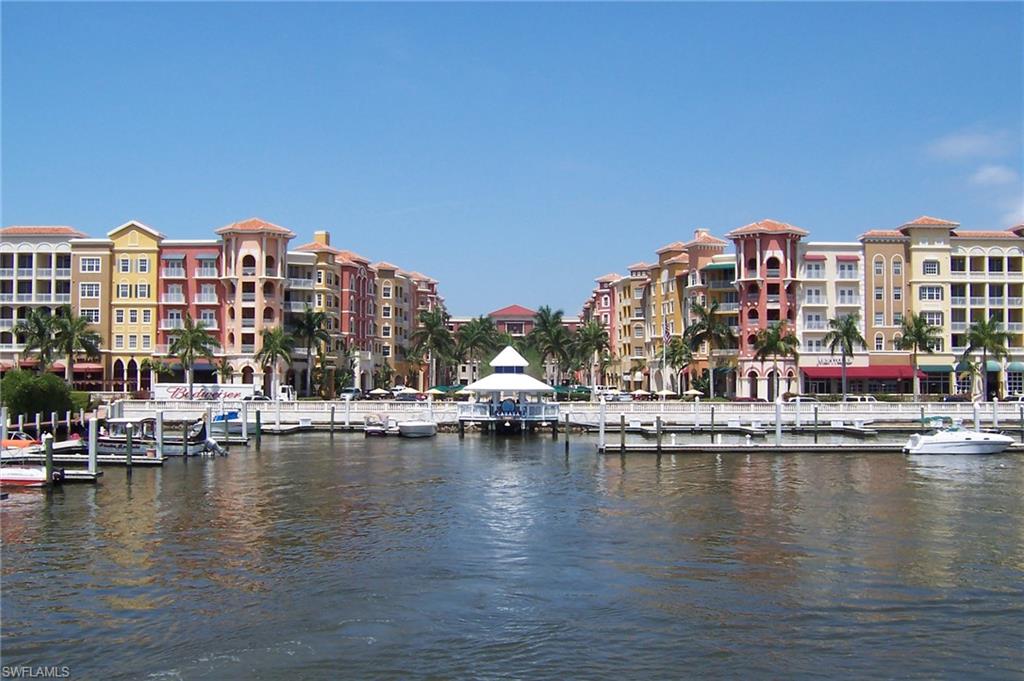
x=638, y=266
x=385, y=266
x=608, y=278
x=315, y=247
x=704, y=238
x=929, y=221
x=983, y=234
x=767, y=226
x=882, y=234
x=41, y=230
x=354, y=257
x=513, y=311
x=674, y=246
x=681, y=259
x=255, y=225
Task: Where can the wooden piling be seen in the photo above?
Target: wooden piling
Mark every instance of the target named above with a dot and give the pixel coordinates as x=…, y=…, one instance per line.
x=21, y=422
x=184, y=441
x=93, y=434
x=48, y=458
x=462, y=429
x=566, y=433
x=160, y=433
x=128, y=450
x=259, y=428
x=245, y=422
x=332, y=419
x=712, y=424
x=815, y=425
x=53, y=424
x=657, y=430
x=622, y=432
x=923, y=422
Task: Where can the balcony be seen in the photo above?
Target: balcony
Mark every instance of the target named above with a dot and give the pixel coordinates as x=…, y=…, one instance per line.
x=772, y=273
x=958, y=326
x=44, y=297
x=248, y=296
x=248, y=323
x=23, y=297
x=248, y=271
x=958, y=300
x=12, y=346
x=728, y=307
x=814, y=325
x=206, y=273
x=173, y=298
x=44, y=272
x=6, y=323
x=206, y=298
x=848, y=302
x=301, y=283
x=850, y=276
x=816, y=301
x=773, y=298
x=173, y=273
x=248, y=347
x=6, y=297
x=996, y=301
x=171, y=324
x=6, y=272
x=1014, y=301
x=26, y=271
x=977, y=300
x=297, y=306
x=1015, y=327
x=723, y=286
x=63, y=272
x=208, y=324
x=958, y=273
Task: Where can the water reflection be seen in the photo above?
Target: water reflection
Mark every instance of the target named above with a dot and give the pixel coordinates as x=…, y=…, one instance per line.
x=494, y=557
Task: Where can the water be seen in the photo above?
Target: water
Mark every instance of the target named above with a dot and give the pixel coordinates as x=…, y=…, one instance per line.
x=504, y=558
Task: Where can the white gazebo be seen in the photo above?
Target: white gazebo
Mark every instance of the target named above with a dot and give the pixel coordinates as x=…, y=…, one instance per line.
x=510, y=398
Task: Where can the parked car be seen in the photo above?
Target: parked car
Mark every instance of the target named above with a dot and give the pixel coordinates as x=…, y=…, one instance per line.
x=619, y=397
x=749, y=399
x=409, y=397
x=860, y=398
x=959, y=397
x=1015, y=398
x=802, y=398
x=258, y=397
x=351, y=394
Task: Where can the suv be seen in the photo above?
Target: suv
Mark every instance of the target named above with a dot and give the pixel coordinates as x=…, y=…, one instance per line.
x=860, y=398
x=350, y=394
x=802, y=398
x=257, y=397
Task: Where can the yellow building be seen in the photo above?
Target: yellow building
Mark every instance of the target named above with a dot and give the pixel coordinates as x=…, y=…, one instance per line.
x=665, y=309
x=134, y=251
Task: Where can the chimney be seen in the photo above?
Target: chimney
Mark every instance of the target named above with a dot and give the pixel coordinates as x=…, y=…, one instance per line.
x=322, y=237
x=698, y=233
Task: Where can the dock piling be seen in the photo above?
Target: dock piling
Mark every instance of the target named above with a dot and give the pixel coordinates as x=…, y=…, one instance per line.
x=21, y=422
x=332, y=421
x=995, y=413
x=39, y=426
x=67, y=424
x=53, y=424
x=3, y=423
x=778, y=422
x=977, y=421
x=462, y=429
x=600, y=425
x=277, y=416
x=81, y=417
x=259, y=428
x=712, y=423
x=184, y=441
x=1020, y=422
x=245, y=422
x=48, y=460
x=160, y=433
x=348, y=414
x=209, y=421
x=622, y=432
x=93, y=433
x=567, y=433
x=128, y=449
x=657, y=429
x=815, y=425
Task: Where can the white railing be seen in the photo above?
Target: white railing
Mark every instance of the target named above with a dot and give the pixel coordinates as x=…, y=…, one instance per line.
x=169, y=324
x=847, y=301
x=958, y=300
x=248, y=323
x=46, y=272
x=6, y=271
x=728, y=307
x=849, y=275
x=773, y=298
x=206, y=298
x=209, y=324
x=175, y=272
x=301, y=283
x=815, y=300
x=958, y=326
x=248, y=296
x=63, y=271
x=248, y=271
x=26, y=271
x=248, y=347
x=815, y=324
x=995, y=300
x=1014, y=326
x=772, y=273
x=1013, y=300
x=173, y=298
x=6, y=323
x=24, y=297
x=44, y=297
x=62, y=297
x=977, y=300
x=6, y=297
x=206, y=272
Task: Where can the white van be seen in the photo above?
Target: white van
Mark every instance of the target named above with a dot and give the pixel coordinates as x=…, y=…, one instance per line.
x=860, y=398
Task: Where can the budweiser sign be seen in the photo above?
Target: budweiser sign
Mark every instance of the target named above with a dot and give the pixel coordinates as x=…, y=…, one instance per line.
x=202, y=391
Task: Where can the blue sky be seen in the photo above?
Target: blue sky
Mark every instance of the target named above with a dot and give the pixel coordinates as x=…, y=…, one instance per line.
x=514, y=152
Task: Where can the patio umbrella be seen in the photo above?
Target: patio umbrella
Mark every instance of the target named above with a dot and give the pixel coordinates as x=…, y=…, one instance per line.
x=693, y=392
x=379, y=391
x=406, y=390
x=640, y=392
x=463, y=391
x=436, y=391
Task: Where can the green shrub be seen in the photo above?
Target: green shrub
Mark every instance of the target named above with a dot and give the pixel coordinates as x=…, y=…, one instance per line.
x=27, y=393
x=80, y=400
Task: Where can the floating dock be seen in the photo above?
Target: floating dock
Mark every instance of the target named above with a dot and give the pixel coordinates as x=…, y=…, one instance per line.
x=759, y=447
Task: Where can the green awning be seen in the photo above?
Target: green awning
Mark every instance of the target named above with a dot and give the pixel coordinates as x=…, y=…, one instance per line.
x=962, y=366
x=993, y=365
x=1015, y=366
x=936, y=368
x=719, y=266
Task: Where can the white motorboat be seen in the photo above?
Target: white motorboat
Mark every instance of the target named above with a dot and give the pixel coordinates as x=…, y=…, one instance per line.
x=26, y=476
x=113, y=439
x=374, y=426
x=417, y=428
x=953, y=439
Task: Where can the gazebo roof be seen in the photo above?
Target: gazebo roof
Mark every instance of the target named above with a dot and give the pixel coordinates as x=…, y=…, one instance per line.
x=509, y=358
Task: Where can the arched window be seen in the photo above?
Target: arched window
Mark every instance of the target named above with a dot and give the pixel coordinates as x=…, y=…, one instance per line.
x=879, y=265
x=879, y=342
x=248, y=261
x=270, y=262
x=753, y=315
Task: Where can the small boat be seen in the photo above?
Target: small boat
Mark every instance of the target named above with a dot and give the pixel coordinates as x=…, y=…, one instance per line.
x=233, y=421
x=26, y=476
x=115, y=441
x=953, y=439
x=417, y=428
x=374, y=426
x=19, y=440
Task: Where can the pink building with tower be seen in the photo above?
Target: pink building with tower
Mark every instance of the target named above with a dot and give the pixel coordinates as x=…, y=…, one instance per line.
x=766, y=279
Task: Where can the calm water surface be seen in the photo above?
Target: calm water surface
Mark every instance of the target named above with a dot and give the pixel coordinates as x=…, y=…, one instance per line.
x=505, y=558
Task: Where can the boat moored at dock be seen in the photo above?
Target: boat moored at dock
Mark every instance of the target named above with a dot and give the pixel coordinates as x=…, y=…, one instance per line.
x=954, y=439
x=417, y=428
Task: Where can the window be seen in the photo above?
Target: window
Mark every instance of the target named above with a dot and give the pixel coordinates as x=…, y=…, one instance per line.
x=879, y=319
x=604, y=301
x=319, y=300
x=118, y=342
x=145, y=342
x=638, y=292
x=133, y=342
x=897, y=294
x=90, y=313
x=119, y=316
x=879, y=342
x=931, y=267
x=897, y=318
x=848, y=270
x=385, y=291
x=143, y=265
x=385, y=312
x=938, y=345
x=930, y=293
x=124, y=291
x=638, y=331
x=386, y=350
x=879, y=267
x=1014, y=382
x=385, y=331
x=319, y=276
x=89, y=265
x=142, y=290
x=133, y=316
x=125, y=265
x=147, y=316
x=897, y=267
x=814, y=295
x=879, y=293
x=208, y=318
x=932, y=317
x=815, y=270
x=87, y=290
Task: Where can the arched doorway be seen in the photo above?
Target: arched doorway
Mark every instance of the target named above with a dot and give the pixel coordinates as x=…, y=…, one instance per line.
x=752, y=383
x=772, y=382
x=131, y=376
x=247, y=375
x=117, y=375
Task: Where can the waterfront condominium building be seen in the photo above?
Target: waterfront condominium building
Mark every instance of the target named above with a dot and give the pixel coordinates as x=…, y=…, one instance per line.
x=664, y=313
x=628, y=360
x=767, y=279
x=134, y=251
x=35, y=273
x=710, y=282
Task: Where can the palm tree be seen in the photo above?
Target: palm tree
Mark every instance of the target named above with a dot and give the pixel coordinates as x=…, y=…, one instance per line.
x=224, y=371
x=709, y=328
x=278, y=346
x=433, y=338
x=311, y=327
x=985, y=335
x=477, y=338
x=969, y=370
x=157, y=367
x=776, y=341
x=678, y=355
x=192, y=342
x=550, y=338
x=844, y=336
x=920, y=336
x=36, y=334
x=383, y=374
x=71, y=334
x=590, y=341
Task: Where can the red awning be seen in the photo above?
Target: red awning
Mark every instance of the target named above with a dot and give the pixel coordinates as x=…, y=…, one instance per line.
x=848, y=258
x=891, y=373
x=815, y=256
x=87, y=367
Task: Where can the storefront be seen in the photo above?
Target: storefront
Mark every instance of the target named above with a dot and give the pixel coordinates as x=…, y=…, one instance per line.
x=860, y=379
x=937, y=379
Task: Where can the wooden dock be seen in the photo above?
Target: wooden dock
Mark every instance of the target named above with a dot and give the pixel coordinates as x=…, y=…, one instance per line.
x=759, y=448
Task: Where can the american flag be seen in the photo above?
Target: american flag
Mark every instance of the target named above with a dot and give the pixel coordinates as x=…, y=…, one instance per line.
x=665, y=336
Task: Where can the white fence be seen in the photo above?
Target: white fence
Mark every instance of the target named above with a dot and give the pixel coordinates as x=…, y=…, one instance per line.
x=587, y=413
